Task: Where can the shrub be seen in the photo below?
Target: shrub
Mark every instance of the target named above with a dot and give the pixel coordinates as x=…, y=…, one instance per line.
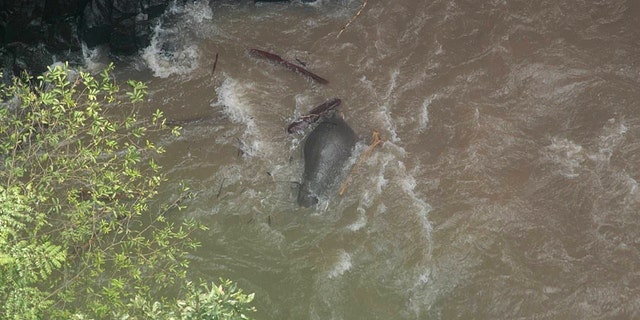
x=222, y=302
x=78, y=235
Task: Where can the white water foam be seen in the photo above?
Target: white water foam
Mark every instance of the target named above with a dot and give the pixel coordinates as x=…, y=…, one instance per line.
x=395, y=219
x=423, y=118
x=342, y=265
x=569, y=157
x=194, y=11
x=166, y=62
x=231, y=99
x=612, y=135
x=408, y=184
x=393, y=176
x=566, y=155
x=95, y=58
x=172, y=50
x=361, y=222
x=385, y=113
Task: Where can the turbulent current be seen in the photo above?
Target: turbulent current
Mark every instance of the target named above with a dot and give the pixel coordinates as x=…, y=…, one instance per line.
x=506, y=187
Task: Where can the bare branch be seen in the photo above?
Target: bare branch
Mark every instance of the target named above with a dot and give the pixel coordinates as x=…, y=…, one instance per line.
x=352, y=18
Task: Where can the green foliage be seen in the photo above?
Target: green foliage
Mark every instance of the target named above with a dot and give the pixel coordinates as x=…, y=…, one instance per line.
x=222, y=302
x=77, y=181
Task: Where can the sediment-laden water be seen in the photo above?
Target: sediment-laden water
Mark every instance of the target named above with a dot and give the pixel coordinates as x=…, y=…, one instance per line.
x=507, y=186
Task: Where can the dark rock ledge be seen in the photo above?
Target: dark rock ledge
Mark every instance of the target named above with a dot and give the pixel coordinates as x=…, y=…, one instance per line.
x=35, y=33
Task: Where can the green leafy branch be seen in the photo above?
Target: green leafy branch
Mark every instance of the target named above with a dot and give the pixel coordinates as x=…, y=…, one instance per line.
x=78, y=184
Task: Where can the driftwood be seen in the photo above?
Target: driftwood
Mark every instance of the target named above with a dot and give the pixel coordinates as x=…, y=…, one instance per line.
x=376, y=141
x=313, y=115
x=364, y=4
x=261, y=54
x=215, y=63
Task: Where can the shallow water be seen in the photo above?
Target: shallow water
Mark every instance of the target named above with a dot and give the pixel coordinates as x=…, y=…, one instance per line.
x=507, y=187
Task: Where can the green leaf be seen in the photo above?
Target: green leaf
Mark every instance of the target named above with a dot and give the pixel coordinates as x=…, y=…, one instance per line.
x=79, y=226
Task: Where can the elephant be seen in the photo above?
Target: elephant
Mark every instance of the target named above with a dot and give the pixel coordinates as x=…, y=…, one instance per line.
x=326, y=151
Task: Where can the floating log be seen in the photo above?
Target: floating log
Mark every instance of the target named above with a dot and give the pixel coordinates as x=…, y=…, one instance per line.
x=313, y=115
x=261, y=54
x=326, y=107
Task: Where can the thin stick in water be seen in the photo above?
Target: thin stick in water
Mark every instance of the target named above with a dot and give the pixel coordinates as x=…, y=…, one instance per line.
x=220, y=189
x=215, y=62
x=376, y=141
x=352, y=18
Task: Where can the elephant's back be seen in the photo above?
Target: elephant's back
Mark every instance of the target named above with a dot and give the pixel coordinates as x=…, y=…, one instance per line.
x=326, y=150
x=330, y=138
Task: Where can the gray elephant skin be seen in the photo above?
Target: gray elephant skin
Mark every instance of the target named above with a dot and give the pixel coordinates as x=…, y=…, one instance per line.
x=326, y=151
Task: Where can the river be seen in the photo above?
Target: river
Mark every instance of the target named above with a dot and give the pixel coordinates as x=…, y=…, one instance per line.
x=507, y=185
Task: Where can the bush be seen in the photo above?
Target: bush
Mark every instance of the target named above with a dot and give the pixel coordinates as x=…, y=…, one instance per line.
x=222, y=302
x=77, y=184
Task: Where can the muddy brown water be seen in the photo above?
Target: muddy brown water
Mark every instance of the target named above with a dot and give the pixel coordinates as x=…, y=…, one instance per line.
x=507, y=187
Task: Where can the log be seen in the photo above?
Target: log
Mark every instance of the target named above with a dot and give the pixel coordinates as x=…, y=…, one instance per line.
x=313, y=115
x=261, y=54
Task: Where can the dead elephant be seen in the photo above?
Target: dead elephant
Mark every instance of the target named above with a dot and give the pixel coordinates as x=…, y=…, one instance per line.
x=326, y=151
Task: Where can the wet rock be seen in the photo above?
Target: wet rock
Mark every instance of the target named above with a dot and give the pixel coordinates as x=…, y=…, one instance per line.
x=125, y=25
x=39, y=21
x=34, y=33
x=7, y=61
x=51, y=29
x=305, y=1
